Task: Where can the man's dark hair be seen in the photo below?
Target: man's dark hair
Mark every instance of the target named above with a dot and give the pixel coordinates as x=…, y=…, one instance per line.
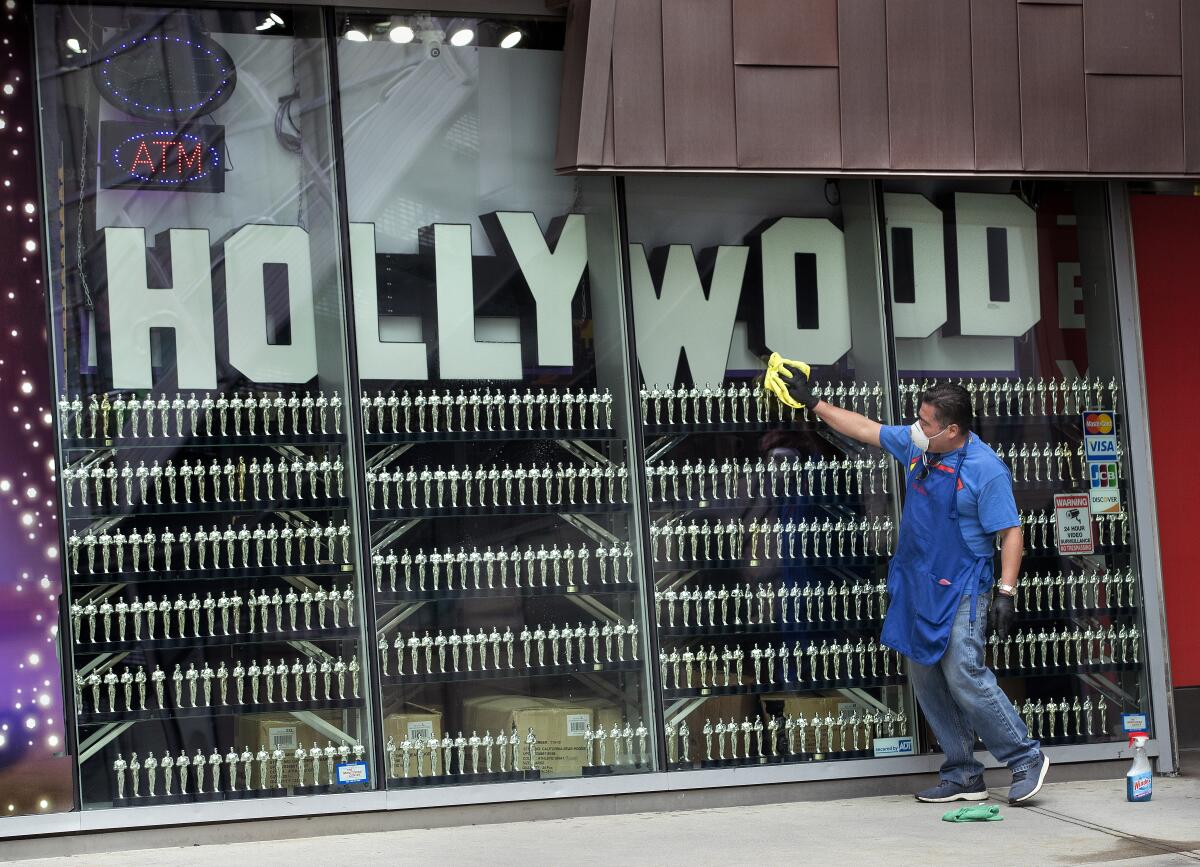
x=951, y=405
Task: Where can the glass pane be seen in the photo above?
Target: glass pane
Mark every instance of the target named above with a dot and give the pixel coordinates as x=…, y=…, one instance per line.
x=491, y=350
x=1002, y=287
x=770, y=532
x=214, y=616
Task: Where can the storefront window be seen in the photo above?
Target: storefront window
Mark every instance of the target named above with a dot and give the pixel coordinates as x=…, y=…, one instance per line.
x=510, y=632
x=1001, y=287
x=213, y=615
x=770, y=534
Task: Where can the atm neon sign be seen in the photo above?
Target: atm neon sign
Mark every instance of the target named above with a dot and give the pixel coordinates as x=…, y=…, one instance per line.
x=148, y=157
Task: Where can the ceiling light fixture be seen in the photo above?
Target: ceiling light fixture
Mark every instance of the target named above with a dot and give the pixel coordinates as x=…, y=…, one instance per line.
x=402, y=34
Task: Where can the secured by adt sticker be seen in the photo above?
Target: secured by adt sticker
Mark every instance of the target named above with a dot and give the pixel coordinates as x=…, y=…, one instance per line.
x=893, y=747
x=351, y=772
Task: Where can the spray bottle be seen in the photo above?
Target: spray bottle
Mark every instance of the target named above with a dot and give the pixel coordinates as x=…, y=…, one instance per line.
x=1139, y=779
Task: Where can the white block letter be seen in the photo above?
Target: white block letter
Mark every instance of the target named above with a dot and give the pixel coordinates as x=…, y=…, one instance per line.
x=377, y=358
x=974, y=214
x=246, y=251
x=134, y=308
x=460, y=355
x=552, y=278
x=680, y=317
x=788, y=237
x=927, y=312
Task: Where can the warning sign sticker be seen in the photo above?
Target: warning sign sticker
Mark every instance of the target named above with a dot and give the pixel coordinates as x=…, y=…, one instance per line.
x=1073, y=523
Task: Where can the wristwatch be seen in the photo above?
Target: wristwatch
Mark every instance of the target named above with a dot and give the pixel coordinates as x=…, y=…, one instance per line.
x=1007, y=589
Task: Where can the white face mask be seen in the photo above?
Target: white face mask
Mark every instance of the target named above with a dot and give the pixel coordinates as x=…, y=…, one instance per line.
x=919, y=439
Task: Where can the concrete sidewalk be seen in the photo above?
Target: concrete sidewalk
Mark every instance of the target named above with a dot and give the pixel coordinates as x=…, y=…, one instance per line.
x=1071, y=823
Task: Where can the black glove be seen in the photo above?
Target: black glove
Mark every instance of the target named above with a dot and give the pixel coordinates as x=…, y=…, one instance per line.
x=800, y=390
x=1001, y=616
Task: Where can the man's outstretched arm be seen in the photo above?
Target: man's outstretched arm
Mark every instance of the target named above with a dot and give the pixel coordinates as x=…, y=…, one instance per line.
x=848, y=423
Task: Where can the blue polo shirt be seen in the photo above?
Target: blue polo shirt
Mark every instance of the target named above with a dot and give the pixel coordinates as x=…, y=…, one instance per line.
x=985, y=501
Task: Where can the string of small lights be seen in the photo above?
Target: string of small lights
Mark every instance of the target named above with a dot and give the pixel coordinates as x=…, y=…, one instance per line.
x=35, y=773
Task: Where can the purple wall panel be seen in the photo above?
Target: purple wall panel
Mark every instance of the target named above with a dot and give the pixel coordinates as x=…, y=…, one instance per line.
x=36, y=774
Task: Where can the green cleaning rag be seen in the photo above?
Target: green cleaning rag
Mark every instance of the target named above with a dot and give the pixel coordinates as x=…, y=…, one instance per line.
x=982, y=813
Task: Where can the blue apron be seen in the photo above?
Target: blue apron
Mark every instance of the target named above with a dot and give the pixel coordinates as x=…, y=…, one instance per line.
x=933, y=568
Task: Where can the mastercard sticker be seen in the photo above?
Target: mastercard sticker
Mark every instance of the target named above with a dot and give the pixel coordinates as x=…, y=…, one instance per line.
x=1100, y=435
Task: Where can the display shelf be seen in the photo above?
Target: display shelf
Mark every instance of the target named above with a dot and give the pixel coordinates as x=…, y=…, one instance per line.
x=780, y=759
x=808, y=565
x=794, y=687
x=199, y=797
x=628, y=666
x=1065, y=670
x=78, y=513
x=772, y=630
x=423, y=437
x=237, y=574
x=104, y=717
x=386, y=515
x=1052, y=554
x=739, y=506
x=1049, y=617
x=415, y=782
x=343, y=633
x=595, y=588
x=91, y=444
x=664, y=429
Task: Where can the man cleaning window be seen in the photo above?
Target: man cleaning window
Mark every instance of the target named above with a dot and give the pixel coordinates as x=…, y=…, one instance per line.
x=958, y=502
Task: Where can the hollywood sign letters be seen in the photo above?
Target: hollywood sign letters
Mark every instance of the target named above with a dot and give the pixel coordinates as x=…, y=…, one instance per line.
x=678, y=305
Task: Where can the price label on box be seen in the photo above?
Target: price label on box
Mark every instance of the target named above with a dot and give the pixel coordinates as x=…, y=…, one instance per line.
x=1073, y=523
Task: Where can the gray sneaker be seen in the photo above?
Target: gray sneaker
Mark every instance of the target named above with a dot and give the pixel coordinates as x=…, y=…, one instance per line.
x=946, y=791
x=1027, y=783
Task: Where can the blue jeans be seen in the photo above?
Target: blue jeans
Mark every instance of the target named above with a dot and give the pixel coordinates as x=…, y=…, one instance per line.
x=960, y=699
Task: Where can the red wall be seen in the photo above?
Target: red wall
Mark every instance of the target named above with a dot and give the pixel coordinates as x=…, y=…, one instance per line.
x=1166, y=240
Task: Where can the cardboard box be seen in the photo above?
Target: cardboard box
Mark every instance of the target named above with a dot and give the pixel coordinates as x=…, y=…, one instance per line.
x=412, y=726
x=558, y=726
x=794, y=705
x=720, y=707
x=284, y=732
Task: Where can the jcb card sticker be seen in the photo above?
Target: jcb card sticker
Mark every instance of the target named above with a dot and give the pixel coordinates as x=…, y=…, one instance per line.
x=1100, y=435
x=1105, y=493
x=1073, y=523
